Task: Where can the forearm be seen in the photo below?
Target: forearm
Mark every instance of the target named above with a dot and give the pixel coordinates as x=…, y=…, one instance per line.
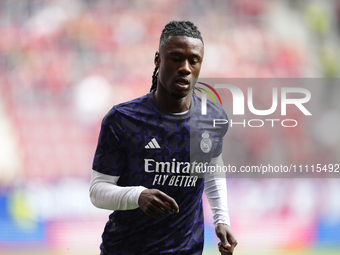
x=215, y=190
x=106, y=194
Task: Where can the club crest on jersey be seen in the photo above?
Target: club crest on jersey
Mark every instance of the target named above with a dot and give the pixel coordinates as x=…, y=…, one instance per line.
x=206, y=143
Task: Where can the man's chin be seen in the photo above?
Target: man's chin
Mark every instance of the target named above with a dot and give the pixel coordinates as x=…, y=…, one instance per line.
x=180, y=95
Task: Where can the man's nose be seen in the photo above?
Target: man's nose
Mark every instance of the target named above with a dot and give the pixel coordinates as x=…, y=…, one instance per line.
x=185, y=67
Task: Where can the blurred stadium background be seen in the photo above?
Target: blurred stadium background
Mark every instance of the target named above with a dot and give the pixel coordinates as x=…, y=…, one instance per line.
x=63, y=64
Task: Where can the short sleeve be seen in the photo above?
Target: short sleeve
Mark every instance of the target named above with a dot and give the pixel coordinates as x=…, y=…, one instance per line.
x=110, y=155
x=223, y=131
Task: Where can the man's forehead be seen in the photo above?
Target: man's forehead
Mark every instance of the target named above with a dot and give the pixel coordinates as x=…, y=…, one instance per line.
x=179, y=42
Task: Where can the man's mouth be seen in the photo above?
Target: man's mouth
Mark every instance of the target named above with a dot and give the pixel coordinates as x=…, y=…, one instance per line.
x=182, y=83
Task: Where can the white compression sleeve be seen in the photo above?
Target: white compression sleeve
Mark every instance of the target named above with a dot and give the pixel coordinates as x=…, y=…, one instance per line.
x=106, y=194
x=215, y=190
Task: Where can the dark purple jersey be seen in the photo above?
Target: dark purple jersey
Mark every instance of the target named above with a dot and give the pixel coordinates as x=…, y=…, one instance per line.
x=148, y=146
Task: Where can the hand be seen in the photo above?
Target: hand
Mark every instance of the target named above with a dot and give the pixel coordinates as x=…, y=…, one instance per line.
x=228, y=241
x=156, y=203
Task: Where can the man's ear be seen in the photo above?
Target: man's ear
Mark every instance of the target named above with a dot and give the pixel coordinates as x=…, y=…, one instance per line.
x=157, y=59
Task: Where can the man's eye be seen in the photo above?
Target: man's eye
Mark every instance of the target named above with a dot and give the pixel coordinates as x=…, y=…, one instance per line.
x=176, y=59
x=193, y=62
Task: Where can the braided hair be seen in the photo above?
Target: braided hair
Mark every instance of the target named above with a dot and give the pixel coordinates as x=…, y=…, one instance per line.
x=175, y=28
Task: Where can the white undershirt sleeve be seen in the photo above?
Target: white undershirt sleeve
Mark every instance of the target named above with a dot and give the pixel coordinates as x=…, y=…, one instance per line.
x=215, y=190
x=106, y=194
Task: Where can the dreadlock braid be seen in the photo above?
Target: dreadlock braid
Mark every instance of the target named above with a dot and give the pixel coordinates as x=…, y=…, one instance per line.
x=175, y=28
x=154, y=79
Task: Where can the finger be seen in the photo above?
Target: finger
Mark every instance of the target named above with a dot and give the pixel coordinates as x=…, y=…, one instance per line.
x=170, y=202
x=223, y=250
x=154, y=211
x=226, y=253
x=224, y=246
x=152, y=214
x=169, y=208
x=157, y=210
x=232, y=241
x=232, y=245
x=164, y=206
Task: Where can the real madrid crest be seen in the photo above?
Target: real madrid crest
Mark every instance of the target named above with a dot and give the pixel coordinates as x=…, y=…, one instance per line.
x=206, y=143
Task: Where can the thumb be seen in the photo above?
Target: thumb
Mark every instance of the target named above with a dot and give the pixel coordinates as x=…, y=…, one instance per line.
x=223, y=248
x=225, y=244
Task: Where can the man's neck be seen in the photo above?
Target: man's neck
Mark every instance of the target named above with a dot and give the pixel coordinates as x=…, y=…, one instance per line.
x=172, y=104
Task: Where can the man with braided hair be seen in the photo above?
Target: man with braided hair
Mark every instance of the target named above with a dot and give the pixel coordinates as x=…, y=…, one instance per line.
x=149, y=161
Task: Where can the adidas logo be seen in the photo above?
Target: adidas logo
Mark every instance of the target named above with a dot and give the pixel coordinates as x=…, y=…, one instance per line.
x=153, y=144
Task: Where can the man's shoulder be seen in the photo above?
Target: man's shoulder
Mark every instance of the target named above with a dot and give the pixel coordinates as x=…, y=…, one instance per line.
x=132, y=103
x=213, y=109
x=131, y=106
